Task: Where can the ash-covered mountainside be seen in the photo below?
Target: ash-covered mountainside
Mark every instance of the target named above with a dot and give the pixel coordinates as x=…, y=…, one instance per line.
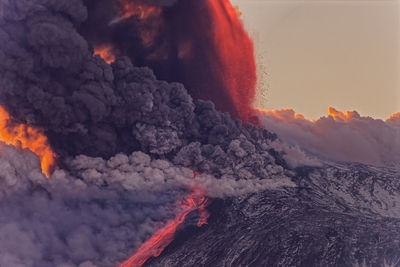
x=345, y=215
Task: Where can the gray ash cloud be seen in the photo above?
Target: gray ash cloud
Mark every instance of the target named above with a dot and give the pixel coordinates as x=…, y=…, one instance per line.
x=178, y=43
x=50, y=79
x=100, y=211
x=128, y=145
x=76, y=220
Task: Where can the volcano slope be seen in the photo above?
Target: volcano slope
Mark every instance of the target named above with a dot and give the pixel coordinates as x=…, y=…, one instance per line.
x=338, y=215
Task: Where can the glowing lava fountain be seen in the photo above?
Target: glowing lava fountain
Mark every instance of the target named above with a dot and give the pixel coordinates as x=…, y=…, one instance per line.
x=202, y=44
x=235, y=62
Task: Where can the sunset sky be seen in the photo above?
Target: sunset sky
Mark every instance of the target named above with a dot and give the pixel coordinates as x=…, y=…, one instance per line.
x=313, y=54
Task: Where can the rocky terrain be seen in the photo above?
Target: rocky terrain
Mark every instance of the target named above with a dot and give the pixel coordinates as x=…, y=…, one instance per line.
x=338, y=215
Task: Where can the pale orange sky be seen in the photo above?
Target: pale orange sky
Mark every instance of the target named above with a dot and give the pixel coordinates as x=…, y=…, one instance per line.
x=319, y=53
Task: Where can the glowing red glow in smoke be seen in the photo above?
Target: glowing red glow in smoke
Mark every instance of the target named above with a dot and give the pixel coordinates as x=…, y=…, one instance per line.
x=105, y=52
x=202, y=44
x=236, y=65
x=142, y=11
x=163, y=237
x=27, y=137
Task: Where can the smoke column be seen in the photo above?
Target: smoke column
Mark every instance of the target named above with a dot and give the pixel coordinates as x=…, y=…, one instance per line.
x=202, y=44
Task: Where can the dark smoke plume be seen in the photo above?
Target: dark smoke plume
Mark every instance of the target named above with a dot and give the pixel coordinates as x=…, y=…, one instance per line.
x=129, y=143
x=200, y=43
x=104, y=200
x=50, y=79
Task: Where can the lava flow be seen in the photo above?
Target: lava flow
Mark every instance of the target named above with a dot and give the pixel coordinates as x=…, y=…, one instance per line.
x=153, y=247
x=27, y=137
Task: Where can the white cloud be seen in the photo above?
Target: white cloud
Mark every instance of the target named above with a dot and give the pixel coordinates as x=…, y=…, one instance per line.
x=346, y=137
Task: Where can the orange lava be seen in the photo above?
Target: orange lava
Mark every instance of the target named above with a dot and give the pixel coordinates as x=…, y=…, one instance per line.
x=105, y=52
x=236, y=62
x=201, y=44
x=163, y=237
x=27, y=137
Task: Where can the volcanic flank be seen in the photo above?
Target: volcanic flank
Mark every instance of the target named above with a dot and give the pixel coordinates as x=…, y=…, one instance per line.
x=144, y=161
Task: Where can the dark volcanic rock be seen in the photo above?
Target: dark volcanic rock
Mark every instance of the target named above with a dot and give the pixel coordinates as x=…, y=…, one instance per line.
x=337, y=216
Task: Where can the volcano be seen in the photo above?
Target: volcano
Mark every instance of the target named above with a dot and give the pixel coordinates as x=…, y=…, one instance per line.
x=127, y=140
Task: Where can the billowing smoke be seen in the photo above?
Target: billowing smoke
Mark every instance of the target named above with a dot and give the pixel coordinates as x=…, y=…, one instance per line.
x=67, y=221
x=128, y=144
x=344, y=137
x=21, y=135
x=200, y=43
x=138, y=155
x=51, y=80
x=99, y=212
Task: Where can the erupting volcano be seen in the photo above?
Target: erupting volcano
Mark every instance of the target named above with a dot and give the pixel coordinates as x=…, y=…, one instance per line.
x=130, y=97
x=202, y=44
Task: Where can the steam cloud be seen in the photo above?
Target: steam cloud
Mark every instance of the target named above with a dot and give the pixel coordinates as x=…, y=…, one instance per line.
x=341, y=137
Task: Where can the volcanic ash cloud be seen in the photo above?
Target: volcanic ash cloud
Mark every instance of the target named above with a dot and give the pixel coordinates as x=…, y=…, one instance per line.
x=127, y=144
x=97, y=213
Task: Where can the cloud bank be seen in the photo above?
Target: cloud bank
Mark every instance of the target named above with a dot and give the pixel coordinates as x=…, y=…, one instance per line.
x=345, y=137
